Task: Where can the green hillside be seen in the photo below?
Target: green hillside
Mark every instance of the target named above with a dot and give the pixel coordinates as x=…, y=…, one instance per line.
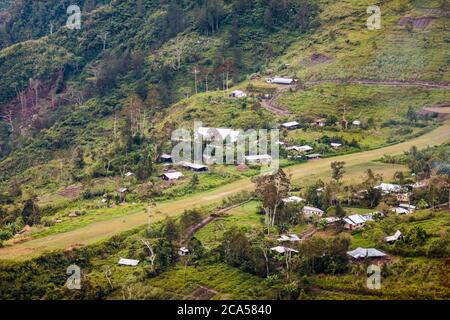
x=85, y=116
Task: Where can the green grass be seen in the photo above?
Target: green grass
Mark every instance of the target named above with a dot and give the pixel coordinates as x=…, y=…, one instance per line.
x=434, y=223
x=356, y=52
x=361, y=101
x=408, y=278
x=230, y=283
x=244, y=216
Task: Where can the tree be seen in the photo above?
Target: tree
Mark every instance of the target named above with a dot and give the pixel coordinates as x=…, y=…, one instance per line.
x=399, y=177
x=416, y=236
x=337, y=170
x=411, y=115
x=235, y=247
x=331, y=120
x=170, y=230
x=78, y=159
x=15, y=190
x=272, y=189
x=268, y=19
x=30, y=212
x=444, y=172
x=194, y=181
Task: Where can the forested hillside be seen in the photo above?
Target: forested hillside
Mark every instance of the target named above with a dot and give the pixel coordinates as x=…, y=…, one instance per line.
x=125, y=49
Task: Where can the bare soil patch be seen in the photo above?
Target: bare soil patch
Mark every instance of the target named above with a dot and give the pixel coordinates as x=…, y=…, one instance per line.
x=320, y=58
x=417, y=22
x=71, y=192
x=203, y=293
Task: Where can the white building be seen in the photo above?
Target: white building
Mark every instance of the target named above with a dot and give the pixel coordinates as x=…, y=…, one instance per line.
x=290, y=125
x=238, y=94
x=193, y=166
x=310, y=212
x=408, y=207
x=304, y=148
x=362, y=253
x=399, y=210
x=293, y=199
x=355, y=221
x=183, y=251
x=331, y=220
x=166, y=157
x=278, y=80
x=391, y=239
x=220, y=134
x=170, y=176
x=128, y=262
x=313, y=156
x=336, y=145
x=258, y=158
x=289, y=237
x=389, y=188
x=281, y=249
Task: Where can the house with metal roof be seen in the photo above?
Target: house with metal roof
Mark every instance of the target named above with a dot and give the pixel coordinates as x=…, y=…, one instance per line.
x=336, y=145
x=222, y=134
x=310, y=212
x=313, y=156
x=128, y=262
x=289, y=237
x=193, y=166
x=398, y=210
x=293, y=199
x=355, y=221
x=389, y=188
x=183, y=251
x=362, y=253
x=238, y=94
x=391, y=239
x=291, y=125
x=282, y=249
x=166, y=157
x=279, y=80
x=258, y=158
x=171, y=176
x=304, y=148
x=408, y=207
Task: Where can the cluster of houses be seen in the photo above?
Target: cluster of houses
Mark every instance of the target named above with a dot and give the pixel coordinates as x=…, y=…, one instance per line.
x=357, y=254
x=402, y=195
x=292, y=125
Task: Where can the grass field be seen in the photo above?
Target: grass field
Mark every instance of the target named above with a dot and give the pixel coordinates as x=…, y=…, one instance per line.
x=356, y=163
x=225, y=282
x=245, y=216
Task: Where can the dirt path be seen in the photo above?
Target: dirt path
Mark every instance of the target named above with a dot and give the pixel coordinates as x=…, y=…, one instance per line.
x=271, y=104
x=443, y=108
x=395, y=83
x=191, y=231
x=273, y=107
x=308, y=234
x=96, y=231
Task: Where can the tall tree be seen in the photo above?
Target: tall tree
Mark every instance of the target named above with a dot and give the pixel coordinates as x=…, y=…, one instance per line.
x=272, y=189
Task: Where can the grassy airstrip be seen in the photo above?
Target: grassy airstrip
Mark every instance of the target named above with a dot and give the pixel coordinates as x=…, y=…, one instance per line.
x=356, y=164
